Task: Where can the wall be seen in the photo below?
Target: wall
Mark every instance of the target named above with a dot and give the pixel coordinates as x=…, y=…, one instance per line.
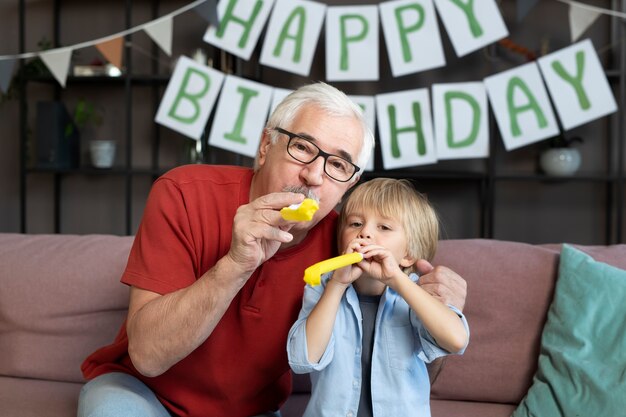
x=526, y=210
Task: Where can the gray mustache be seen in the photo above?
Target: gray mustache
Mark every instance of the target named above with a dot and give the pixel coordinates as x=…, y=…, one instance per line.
x=307, y=192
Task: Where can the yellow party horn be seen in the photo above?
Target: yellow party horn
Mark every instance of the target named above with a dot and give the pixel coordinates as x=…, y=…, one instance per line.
x=302, y=212
x=313, y=274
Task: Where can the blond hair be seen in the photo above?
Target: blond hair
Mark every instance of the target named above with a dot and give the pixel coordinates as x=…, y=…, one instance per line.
x=398, y=199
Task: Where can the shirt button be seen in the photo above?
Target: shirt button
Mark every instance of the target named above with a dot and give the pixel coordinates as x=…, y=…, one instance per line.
x=355, y=383
x=358, y=351
x=350, y=414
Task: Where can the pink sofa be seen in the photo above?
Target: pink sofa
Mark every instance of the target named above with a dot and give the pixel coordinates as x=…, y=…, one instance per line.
x=60, y=298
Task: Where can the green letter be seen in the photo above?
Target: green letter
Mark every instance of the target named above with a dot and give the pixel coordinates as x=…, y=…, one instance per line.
x=515, y=111
x=448, y=97
x=468, y=9
x=395, y=131
x=235, y=135
x=193, y=98
x=247, y=24
x=406, y=50
x=300, y=13
x=577, y=80
x=345, y=39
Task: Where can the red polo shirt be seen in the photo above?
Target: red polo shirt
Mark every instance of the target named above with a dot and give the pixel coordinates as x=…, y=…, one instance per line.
x=241, y=369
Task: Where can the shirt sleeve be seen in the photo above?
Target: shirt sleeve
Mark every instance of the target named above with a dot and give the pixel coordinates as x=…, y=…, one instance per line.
x=162, y=258
x=297, y=351
x=430, y=349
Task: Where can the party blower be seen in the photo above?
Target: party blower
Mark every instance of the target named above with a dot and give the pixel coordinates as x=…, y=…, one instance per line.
x=313, y=274
x=302, y=212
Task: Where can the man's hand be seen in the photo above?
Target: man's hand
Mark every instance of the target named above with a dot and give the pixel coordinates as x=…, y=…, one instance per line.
x=442, y=283
x=259, y=229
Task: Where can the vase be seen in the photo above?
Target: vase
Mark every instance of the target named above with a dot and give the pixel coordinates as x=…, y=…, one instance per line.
x=560, y=162
x=102, y=153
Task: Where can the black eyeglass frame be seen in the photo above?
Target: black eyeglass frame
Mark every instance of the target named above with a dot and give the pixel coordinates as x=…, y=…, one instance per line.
x=320, y=152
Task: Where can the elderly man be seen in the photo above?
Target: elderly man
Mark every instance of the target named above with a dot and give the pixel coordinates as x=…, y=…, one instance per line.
x=216, y=272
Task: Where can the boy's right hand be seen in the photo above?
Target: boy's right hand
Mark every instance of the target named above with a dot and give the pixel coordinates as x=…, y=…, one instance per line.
x=348, y=274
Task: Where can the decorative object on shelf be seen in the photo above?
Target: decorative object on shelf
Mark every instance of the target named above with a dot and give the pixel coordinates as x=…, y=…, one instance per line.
x=102, y=153
x=86, y=116
x=96, y=68
x=87, y=119
x=561, y=159
x=193, y=153
x=57, y=140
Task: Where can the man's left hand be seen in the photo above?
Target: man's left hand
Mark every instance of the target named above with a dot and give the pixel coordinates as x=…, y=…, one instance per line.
x=442, y=283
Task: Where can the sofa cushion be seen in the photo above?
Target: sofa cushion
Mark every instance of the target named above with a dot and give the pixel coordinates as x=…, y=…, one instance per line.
x=21, y=397
x=510, y=286
x=443, y=408
x=582, y=366
x=60, y=300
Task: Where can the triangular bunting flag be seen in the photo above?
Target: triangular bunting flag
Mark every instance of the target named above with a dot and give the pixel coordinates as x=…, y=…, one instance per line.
x=112, y=51
x=524, y=7
x=579, y=20
x=161, y=32
x=6, y=72
x=58, y=62
x=208, y=11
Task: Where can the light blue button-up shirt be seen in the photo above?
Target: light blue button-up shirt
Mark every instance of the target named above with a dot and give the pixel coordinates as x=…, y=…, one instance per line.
x=402, y=347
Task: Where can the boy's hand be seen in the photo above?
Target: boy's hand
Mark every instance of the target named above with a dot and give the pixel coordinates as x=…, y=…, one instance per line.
x=348, y=274
x=379, y=263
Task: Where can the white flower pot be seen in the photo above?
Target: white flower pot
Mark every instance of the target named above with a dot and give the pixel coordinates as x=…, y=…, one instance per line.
x=560, y=161
x=102, y=153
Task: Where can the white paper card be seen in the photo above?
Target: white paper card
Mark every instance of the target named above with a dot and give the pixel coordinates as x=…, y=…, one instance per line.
x=521, y=106
x=578, y=85
x=189, y=97
x=461, y=120
x=352, y=43
x=405, y=128
x=368, y=105
x=278, y=94
x=471, y=24
x=241, y=23
x=240, y=116
x=292, y=35
x=412, y=36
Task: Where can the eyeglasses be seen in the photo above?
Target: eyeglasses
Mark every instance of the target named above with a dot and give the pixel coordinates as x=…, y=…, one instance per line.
x=305, y=151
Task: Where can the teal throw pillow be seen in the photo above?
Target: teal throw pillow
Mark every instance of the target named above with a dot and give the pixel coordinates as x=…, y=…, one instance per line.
x=582, y=362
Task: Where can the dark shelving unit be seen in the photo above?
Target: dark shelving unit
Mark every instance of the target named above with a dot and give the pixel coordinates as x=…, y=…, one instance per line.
x=125, y=83
x=486, y=179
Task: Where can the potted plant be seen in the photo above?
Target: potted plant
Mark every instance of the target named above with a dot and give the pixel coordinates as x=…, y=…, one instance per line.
x=561, y=158
x=87, y=118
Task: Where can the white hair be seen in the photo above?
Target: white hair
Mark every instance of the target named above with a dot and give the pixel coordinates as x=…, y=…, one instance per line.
x=328, y=98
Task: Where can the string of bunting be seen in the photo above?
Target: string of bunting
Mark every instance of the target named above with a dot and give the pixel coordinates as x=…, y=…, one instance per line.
x=57, y=60
x=160, y=31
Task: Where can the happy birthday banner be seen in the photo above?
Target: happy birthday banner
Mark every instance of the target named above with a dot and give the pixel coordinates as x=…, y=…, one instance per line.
x=415, y=126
